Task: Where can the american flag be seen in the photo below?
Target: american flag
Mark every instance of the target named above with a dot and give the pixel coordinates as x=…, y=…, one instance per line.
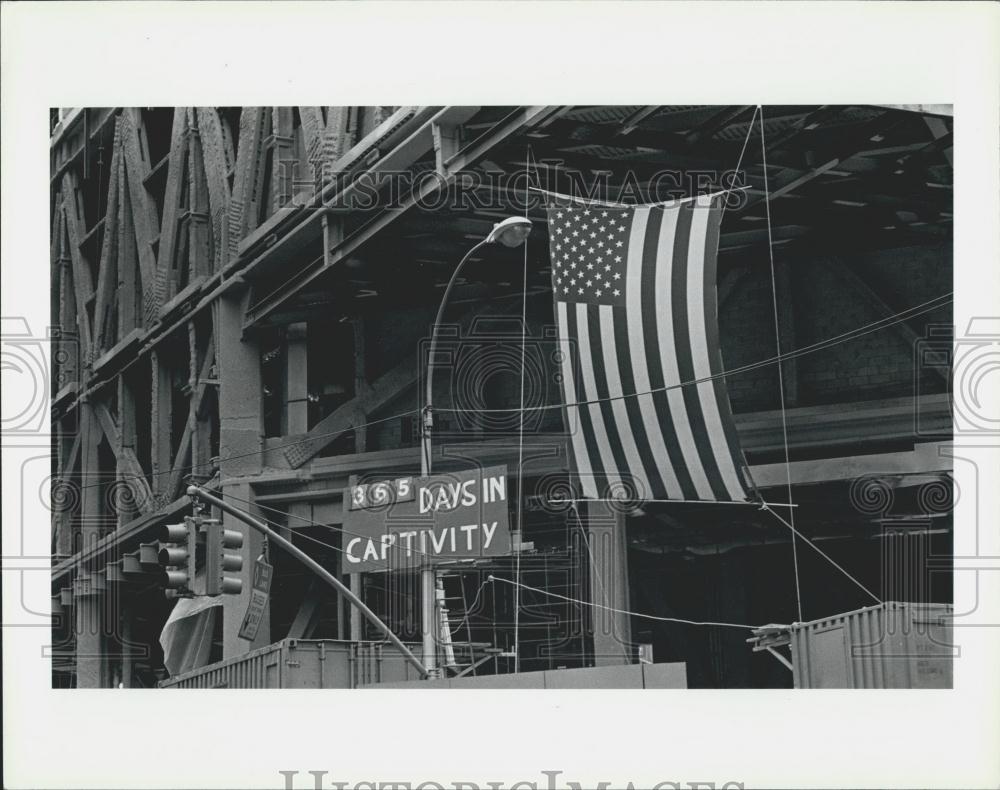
x=635, y=302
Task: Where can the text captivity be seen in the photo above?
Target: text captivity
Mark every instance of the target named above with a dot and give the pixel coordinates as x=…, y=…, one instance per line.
x=403, y=523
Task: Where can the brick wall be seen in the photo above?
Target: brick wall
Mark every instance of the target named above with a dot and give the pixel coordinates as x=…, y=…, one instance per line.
x=746, y=331
x=828, y=301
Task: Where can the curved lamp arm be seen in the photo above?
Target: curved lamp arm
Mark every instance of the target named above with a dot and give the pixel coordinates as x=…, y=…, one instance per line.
x=510, y=232
x=428, y=396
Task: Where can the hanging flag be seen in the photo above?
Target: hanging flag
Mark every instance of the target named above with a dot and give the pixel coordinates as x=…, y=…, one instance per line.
x=635, y=300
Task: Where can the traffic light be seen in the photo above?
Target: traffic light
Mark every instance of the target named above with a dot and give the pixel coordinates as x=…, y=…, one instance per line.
x=178, y=546
x=219, y=561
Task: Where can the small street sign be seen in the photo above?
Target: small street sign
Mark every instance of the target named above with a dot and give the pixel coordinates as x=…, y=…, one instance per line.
x=259, y=592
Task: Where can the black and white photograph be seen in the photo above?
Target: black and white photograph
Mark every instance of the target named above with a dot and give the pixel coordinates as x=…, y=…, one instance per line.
x=558, y=397
x=670, y=405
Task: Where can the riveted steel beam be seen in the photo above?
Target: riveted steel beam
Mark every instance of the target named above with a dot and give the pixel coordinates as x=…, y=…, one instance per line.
x=448, y=168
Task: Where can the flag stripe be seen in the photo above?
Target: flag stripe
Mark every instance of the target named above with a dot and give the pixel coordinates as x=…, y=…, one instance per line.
x=600, y=432
x=654, y=300
x=715, y=350
x=640, y=306
x=623, y=462
x=574, y=421
x=654, y=304
x=669, y=348
x=598, y=481
x=685, y=363
x=613, y=365
x=660, y=466
x=697, y=296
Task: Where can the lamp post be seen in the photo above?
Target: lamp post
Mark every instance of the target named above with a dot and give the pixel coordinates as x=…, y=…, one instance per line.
x=511, y=232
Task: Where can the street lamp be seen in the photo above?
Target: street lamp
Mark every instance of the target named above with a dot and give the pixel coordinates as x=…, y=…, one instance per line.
x=511, y=232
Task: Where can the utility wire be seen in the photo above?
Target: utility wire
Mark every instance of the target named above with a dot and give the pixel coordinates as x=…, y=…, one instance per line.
x=743, y=150
x=824, y=554
x=844, y=337
x=781, y=378
x=563, y=597
x=331, y=527
x=853, y=334
x=620, y=611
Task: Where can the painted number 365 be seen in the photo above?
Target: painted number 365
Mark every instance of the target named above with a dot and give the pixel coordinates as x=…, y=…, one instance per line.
x=383, y=493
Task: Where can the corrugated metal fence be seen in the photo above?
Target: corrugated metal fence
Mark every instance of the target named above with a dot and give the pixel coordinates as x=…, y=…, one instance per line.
x=302, y=664
x=332, y=664
x=893, y=645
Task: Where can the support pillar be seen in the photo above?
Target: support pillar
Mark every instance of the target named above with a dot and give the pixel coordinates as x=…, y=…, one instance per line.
x=355, y=615
x=62, y=517
x=234, y=607
x=608, y=559
x=360, y=380
x=297, y=407
x=88, y=625
x=297, y=379
x=240, y=440
x=125, y=634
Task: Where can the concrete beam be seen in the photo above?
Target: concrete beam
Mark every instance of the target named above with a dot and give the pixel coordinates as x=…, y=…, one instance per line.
x=545, y=455
x=922, y=459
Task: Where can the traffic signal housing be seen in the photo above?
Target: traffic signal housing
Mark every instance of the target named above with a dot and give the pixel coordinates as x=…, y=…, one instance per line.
x=222, y=557
x=178, y=547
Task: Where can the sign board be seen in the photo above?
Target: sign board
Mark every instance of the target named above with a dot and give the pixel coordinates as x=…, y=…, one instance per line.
x=399, y=524
x=259, y=591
